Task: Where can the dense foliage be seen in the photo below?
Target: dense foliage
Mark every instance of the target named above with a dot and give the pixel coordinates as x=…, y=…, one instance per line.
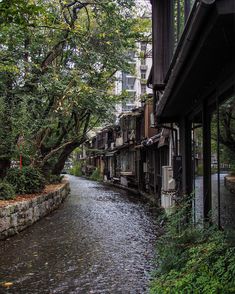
x=193, y=259
x=6, y=191
x=76, y=170
x=58, y=61
x=28, y=180
x=96, y=175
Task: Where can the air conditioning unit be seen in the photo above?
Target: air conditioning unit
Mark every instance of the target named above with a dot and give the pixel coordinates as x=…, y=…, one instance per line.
x=168, y=183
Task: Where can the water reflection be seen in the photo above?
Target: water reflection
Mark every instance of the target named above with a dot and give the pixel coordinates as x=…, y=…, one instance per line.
x=227, y=203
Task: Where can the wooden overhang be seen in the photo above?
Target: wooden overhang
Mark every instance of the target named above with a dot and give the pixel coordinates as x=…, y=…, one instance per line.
x=203, y=61
x=162, y=34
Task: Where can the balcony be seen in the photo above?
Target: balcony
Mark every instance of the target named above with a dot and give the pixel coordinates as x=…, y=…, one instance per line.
x=129, y=76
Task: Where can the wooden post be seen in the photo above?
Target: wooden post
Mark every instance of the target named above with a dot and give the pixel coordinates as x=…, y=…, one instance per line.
x=186, y=151
x=206, y=118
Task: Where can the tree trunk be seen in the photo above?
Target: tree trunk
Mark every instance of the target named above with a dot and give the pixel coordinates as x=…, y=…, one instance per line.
x=58, y=167
x=4, y=166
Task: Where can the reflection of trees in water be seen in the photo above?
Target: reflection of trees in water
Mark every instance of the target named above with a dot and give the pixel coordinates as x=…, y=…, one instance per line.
x=226, y=132
x=227, y=129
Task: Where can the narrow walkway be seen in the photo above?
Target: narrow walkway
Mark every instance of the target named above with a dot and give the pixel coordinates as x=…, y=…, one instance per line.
x=100, y=241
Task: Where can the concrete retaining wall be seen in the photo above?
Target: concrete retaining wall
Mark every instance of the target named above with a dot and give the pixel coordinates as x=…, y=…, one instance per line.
x=17, y=216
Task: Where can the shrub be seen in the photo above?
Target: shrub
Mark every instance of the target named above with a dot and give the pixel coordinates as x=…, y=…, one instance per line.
x=26, y=181
x=6, y=191
x=96, y=175
x=193, y=259
x=76, y=170
x=16, y=177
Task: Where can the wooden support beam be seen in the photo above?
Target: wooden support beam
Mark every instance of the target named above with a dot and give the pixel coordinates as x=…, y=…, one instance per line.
x=206, y=118
x=162, y=15
x=186, y=151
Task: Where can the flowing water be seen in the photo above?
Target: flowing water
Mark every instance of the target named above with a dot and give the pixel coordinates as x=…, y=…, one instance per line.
x=101, y=240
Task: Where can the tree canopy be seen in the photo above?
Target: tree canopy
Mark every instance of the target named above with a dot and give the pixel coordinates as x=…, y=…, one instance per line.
x=58, y=61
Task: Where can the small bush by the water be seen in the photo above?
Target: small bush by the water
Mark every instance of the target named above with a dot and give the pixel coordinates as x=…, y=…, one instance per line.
x=76, y=170
x=6, y=191
x=96, y=175
x=193, y=260
x=27, y=180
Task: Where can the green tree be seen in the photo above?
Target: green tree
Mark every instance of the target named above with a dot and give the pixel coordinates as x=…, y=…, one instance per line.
x=57, y=70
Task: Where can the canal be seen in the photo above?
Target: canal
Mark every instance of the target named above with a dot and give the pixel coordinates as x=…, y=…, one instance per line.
x=101, y=240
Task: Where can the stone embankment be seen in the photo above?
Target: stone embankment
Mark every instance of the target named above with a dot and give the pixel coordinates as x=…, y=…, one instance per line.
x=17, y=215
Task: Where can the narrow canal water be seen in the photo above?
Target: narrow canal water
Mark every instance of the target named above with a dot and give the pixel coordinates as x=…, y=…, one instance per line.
x=101, y=240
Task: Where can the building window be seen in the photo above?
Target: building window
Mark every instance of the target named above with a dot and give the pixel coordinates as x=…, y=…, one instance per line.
x=218, y=160
x=130, y=87
x=143, y=46
x=143, y=61
x=131, y=81
x=143, y=89
x=223, y=165
x=131, y=56
x=143, y=74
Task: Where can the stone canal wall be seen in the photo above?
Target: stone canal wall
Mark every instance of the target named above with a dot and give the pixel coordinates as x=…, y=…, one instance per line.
x=19, y=215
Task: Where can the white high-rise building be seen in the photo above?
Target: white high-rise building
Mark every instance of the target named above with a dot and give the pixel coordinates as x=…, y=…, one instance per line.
x=135, y=85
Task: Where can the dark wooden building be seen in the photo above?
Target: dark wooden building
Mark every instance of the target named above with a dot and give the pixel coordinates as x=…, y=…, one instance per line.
x=193, y=81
